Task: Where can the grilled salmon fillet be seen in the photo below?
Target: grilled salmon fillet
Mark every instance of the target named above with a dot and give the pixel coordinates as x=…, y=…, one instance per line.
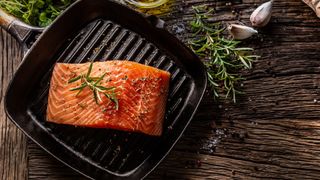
x=141, y=92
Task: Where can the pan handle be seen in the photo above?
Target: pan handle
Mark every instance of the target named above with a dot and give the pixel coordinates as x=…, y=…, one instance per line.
x=156, y=22
x=24, y=33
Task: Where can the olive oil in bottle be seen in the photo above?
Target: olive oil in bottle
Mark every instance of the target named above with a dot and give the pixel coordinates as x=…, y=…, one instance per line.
x=154, y=7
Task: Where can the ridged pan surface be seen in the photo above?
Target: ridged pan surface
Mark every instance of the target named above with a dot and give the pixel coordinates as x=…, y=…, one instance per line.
x=99, y=34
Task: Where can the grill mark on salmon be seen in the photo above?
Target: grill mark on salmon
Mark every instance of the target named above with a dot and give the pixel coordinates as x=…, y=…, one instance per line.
x=141, y=91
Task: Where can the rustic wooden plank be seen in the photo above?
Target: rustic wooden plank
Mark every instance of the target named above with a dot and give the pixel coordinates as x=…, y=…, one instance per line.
x=273, y=131
x=13, y=154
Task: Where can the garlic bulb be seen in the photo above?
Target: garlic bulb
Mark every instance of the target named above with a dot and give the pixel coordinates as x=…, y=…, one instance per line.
x=241, y=32
x=315, y=5
x=261, y=16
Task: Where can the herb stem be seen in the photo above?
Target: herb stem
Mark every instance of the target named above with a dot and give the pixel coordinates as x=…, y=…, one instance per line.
x=93, y=83
x=222, y=57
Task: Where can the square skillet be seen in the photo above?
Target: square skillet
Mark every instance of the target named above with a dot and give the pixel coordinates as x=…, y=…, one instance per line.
x=103, y=30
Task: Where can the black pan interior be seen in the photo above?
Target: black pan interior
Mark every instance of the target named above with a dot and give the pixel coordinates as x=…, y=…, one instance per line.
x=103, y=30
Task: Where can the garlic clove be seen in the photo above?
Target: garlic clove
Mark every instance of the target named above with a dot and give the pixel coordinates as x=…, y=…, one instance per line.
x=261, y=16
x=315, y=5
x=241, y=32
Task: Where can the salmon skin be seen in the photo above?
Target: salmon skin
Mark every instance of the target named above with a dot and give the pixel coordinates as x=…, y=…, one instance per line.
x=141, y=92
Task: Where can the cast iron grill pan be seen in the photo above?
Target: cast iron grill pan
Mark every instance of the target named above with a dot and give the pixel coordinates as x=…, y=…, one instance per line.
x=104, y=30
x=101, y=40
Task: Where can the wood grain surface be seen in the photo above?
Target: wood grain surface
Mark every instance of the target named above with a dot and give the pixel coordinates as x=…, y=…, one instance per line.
x=273, y=132
x=13, y=145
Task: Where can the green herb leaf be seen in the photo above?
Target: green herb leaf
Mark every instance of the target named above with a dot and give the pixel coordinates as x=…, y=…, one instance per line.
x=105, y=89
x=89, y=70
x=35, y=12
x=100, y=79
x=74, y=79
x=79, y=88
x=222, y=57
x=116, y=101
x=95, y=96
x=94, y=84
x=113, y=98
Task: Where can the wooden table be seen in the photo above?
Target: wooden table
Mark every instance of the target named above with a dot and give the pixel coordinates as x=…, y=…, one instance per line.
x=273, y=132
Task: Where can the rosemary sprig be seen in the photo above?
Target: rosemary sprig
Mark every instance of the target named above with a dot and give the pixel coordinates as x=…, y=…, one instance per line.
x=94, y=83
x=222, y=57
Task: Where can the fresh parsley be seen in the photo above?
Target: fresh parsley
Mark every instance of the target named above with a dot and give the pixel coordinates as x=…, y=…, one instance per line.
x=35, y=12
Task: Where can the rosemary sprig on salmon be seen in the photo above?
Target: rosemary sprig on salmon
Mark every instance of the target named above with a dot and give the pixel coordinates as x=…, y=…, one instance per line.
x=94, y=84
